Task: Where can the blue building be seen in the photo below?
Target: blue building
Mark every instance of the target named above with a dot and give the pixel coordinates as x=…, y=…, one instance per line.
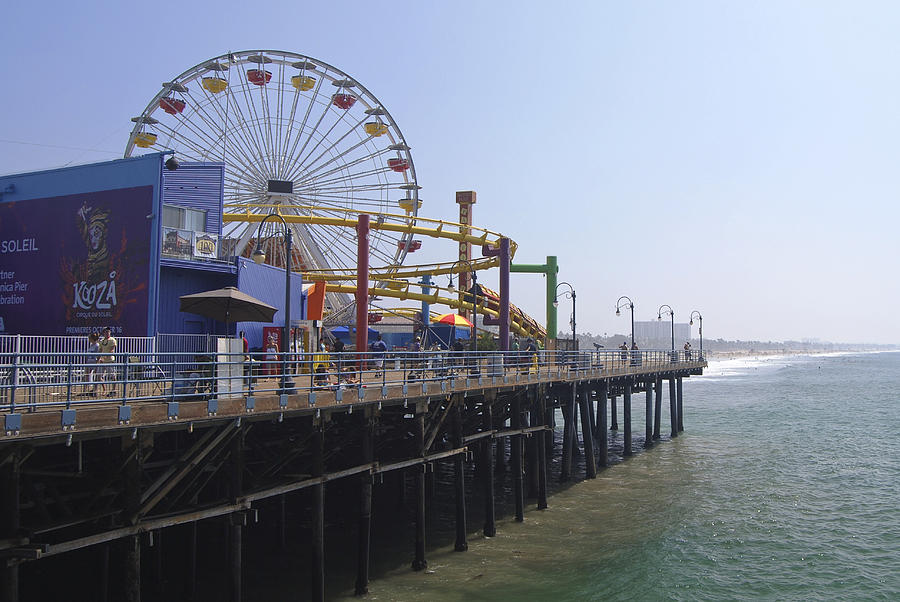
x=116, y=244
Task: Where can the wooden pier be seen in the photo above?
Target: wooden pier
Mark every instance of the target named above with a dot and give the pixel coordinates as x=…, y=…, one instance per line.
x=97, y=483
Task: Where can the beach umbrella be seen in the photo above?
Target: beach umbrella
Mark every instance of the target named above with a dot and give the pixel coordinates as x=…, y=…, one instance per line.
x=228, y=305
x=452, y=320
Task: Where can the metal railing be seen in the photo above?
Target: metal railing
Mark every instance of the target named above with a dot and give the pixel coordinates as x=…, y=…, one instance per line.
x=31, y=381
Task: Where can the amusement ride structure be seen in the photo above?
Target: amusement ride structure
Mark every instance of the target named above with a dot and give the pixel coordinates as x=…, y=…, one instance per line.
x=301, y=138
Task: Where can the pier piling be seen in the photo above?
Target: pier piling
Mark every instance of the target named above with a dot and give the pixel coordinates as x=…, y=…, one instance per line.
x=367, y=456
x=317, y=514
x=626, y=418
x=487, y=473
x=648, y=421
x=673, y=407
x=459, y=474
x=516, y=453
x=9, y=524
x=603, y=439
x=657, y=410
x=613, y=417
x=419, y=563
x=542, y=459
x=568, y=442
x=237, y=518
x=590, y=463
x=679, y=404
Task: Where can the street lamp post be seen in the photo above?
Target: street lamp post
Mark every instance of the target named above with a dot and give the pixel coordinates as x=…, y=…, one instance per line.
x=474, y=299
x=670, y=312
x=700, y=318
x=570, y=294
x=629, y=305
x=259, y=256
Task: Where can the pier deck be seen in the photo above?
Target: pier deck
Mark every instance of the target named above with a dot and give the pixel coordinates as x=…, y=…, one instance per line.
x=84, y=473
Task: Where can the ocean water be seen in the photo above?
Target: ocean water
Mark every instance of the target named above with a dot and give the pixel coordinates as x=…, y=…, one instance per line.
x=784, y=486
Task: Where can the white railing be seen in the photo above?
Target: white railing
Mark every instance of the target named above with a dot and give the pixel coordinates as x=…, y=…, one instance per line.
x=33, y=381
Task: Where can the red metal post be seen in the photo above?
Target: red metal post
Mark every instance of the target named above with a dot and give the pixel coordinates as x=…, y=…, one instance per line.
x=362, y=285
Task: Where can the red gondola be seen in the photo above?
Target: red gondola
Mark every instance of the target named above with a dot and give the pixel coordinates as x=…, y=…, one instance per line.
x=414, y=245
x=171, y=105
x=343, y=100
x=398, y=165
x=258, y=76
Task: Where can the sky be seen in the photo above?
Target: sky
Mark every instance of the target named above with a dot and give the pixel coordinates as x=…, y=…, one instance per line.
x=735, y=158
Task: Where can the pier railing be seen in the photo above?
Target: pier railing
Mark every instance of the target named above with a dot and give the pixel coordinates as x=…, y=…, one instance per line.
x=33, y=381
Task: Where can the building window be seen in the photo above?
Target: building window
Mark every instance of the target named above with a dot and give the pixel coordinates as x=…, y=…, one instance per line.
x=184, y=218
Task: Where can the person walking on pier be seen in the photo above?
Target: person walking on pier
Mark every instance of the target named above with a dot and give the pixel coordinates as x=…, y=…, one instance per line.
x=415, y=360
x=107, y=345
x=531, y=356
x=687, y=350
x=458, y=356
x=624, y=354
x=635, y=356
x=379, y=350
x=93, y=354
x=271, y=355
x=337, y=349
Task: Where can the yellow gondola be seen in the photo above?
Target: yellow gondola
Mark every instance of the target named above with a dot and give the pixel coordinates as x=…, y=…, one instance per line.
x=376, y=128
x=214, y=84
x=303, y=82
x=409, y=204
x=144, y=139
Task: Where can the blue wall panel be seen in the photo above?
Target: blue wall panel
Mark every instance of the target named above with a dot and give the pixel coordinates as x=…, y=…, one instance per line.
x=198, y=186
x=174, y=283
x=266, y=283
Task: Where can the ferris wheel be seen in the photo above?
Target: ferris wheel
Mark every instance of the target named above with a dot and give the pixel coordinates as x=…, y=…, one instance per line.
x=297, y=137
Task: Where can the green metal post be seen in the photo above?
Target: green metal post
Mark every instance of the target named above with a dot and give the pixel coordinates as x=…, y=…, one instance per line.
x=549, y=269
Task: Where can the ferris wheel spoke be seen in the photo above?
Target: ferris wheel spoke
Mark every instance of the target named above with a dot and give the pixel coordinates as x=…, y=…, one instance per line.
x=246, y=96
x=318, y=184
x=365, y=179
x=203, y=133
x=303, y=162
x=217, y=121
x=290, y=129
x=313, y=162
x=338, y=205
x=238, y=145
x=267, y=123
x=301, y=130
x=233, y=140
x=308, y=244
x=295, y=158
x=194, y=146
x=336, y=158
x=213, y=121
x=280, y=133
x=252, y=125
x=249, y=163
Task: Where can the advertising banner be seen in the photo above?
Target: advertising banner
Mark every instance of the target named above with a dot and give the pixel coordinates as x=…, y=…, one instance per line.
x=73, y=264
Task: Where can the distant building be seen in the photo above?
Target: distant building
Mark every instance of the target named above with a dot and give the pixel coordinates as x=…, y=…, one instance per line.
x=657, y=334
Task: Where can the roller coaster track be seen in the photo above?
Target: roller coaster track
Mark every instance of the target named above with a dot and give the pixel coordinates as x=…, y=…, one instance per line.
x=391, y=280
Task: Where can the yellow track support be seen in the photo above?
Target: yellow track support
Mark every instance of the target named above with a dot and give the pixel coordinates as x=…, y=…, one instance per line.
x=392, y=278
x=435, y=298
